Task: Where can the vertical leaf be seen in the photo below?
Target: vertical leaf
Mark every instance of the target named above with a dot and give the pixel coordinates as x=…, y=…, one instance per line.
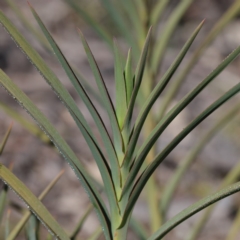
x=121, y=93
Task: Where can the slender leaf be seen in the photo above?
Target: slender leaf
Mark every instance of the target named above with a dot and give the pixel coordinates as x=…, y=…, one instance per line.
x=120, y=85
x=64, y=149
x=18, y=227
x=34, y=204
x=32, y=228
x=84, y=96
x=161, y=126
x=3, y=199
x=5, y=138
x=129, y=78
x=156, y=93
x=231, y=178
x=138, y=79
x=48, y=75
x=165, y=152
x=218, y=27
x=193, y=209
x=191, y=156
x=106, y=98
x=165, y=36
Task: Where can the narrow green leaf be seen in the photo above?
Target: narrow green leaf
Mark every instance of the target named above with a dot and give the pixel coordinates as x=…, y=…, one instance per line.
x=120, y=85
x=171, y=187
x=46, y=72
x=138, y=79
x=99, y=29
x=231, y=178
x=218, y=27
x=193, y=209
x=3, y=198
x=106, y=98
x=35, y=205
x=28, y=125
x=7, y=223
x=32, y=228
x=84, y=96
x=26, y=23
x=81, y=222
x=64, y=149
x=129, y=78
x=165, y=152
x=163, y=40
x=18, y=227
x=5, y=138
x=156, y=93
x=162, y=125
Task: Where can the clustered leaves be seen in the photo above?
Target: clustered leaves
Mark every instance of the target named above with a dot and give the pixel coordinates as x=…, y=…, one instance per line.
x=124, y=169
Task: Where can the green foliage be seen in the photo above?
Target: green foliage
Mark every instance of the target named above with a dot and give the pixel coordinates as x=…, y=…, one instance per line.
x=126, y=168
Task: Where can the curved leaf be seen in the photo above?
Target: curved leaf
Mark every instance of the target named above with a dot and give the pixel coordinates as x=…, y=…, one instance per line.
x=156, y=93
x=84, y=96
x=18, y=227
x=165, y=152
x=34, y=204
x=63, y=148
x=195, y=208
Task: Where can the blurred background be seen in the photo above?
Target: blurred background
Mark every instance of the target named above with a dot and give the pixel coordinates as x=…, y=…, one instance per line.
x=36, y=163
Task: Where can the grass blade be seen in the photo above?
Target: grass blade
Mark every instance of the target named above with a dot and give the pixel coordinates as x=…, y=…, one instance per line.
x=18, y=227
x=32, y=228
x=84, y=96
x=28, y=125
x=165, y=152
x=48, y=75
x=106, y=98
x=171, y=187
x=64, y=149
x=120, y=85
x=156, y=93
x=193, y=209
x=231, y=177
x=161, y=126
x=3, y=199
x=35, y=205
x=218, y=27
x=163, y=40
x=129, y=78
x=138, y=79
x=5, y=138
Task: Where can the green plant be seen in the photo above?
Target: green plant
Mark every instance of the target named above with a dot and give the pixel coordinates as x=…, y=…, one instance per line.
x=126, y=169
